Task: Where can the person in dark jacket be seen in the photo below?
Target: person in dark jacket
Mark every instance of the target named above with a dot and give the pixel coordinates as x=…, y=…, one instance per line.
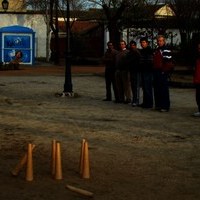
x=110, y=81
x=122, y=75
x=133, y=61
x=14, y=64
x=162, y=65
x=197, y=81
x=146, y=66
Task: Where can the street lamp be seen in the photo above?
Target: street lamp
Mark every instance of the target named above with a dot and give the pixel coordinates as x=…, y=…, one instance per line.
x=5, y=5
x=68, y=81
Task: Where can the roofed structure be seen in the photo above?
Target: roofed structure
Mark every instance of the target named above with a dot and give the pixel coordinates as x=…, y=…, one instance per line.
x=164, y=11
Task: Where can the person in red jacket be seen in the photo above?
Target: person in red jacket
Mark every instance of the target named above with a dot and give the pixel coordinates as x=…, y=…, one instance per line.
x=197, y=81
x=162, y=67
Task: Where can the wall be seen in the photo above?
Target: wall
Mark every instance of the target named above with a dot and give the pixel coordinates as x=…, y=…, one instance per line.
x=15, y=5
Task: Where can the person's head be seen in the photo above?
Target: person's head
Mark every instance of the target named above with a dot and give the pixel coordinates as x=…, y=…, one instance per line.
x=132, y=44
x=122, y=44
x=161, y=40
x=198, y=47
x=144, y=42
x=110, y=45
x=18, y=54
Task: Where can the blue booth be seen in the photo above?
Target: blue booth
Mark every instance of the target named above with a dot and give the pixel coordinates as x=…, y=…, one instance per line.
x=17, y=38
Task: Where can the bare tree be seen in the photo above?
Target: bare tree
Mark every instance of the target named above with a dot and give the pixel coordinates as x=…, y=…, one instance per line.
x=52, y=9
x=187, y=16
x=113, y=10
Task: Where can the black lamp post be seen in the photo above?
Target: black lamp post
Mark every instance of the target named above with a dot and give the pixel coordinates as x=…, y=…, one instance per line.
x=68, y=81
x=5, y=5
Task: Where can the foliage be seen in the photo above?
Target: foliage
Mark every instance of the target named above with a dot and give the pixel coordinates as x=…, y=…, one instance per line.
x=188, y=17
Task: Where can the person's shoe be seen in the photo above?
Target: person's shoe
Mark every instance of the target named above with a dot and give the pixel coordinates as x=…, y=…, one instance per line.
x=164, y=110
x=157, y=108
x=145, y=106
x=134, y=105
x=127, y=101
x=196, y=114
x=106, y=99
x=118, y=101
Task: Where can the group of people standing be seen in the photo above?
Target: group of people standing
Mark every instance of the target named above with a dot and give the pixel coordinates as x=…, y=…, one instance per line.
x=128, y=70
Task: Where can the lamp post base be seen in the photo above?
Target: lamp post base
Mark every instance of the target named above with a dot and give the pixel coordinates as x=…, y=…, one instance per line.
x=67, y=94
x=68, y=85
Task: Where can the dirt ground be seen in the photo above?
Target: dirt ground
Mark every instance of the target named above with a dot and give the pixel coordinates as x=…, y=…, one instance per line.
x=135, y=154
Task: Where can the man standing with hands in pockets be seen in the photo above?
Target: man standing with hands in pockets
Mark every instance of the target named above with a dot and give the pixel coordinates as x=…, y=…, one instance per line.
x=109, y=61
x=162, y=66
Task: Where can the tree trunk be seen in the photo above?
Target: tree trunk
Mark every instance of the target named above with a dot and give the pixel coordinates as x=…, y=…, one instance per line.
x=113, y=19
x=114, y=34
x=48, y=37
x=55, y=52
x=57, y=46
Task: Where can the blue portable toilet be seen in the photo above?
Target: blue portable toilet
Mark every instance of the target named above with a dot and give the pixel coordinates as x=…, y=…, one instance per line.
x=17, y=38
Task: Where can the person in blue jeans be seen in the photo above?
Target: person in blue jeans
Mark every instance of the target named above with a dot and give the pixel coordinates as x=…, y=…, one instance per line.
x=133, y=61
x=162, y=65
x=146, y=67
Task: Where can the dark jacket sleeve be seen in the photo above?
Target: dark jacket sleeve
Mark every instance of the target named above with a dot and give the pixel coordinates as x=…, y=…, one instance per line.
x=146, y=61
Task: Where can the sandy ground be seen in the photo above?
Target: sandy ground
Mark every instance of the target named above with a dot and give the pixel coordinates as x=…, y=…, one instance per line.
x=135, y=154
